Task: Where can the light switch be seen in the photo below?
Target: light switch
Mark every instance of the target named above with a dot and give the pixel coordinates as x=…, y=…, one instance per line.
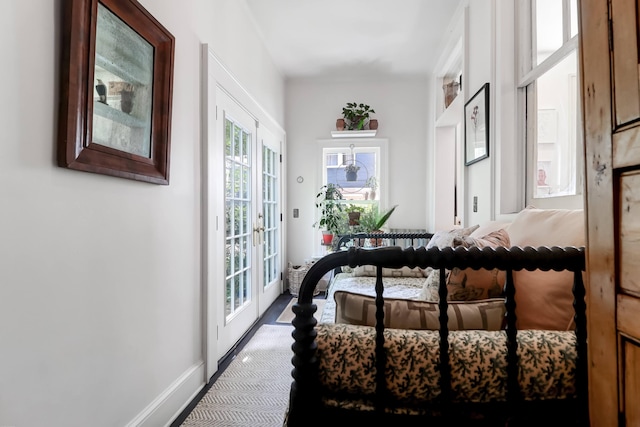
x=296, y=213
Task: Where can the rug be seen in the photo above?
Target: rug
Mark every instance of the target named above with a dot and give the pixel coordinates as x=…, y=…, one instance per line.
x=254, y=389
x=287, y=314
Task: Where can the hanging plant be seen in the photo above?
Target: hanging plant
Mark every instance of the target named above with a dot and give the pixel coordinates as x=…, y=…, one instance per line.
x=351, y=172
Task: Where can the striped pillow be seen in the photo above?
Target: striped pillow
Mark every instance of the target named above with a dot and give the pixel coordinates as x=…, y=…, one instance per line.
x=370, y=271
x=358, y=309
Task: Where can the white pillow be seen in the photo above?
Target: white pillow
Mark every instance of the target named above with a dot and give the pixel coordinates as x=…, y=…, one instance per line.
x=445, y=238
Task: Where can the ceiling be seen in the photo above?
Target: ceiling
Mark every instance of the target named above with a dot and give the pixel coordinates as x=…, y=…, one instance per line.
x=353, y=37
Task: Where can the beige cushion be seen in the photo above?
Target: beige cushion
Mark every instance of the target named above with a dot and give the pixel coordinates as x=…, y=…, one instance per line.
x=544, y=299
x=445, y=238
x=490, y=227
x=370, y=271
x=492, y=239
x=548, y=227
x=357, y=309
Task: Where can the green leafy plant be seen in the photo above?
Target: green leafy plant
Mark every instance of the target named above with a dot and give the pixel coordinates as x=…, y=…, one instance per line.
x=382, y=219
x=372, y=183
x=351, y=168
x=372, y=220
x=354, y=212
x=331, y=209
x=356, y=115
x=355, y=208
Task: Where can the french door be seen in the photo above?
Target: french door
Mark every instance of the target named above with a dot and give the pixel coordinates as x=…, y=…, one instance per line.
x=247, y=276
x=269, y=221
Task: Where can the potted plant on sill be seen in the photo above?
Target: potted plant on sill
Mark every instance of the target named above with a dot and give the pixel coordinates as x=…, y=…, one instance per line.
x=354, y=212
x=331, y=211
x=356, y=116
x=372, y=221
x=372, y=183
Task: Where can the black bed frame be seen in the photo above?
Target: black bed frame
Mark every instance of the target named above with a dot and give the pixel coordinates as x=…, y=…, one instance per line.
x=382, y=239
x=305, y=407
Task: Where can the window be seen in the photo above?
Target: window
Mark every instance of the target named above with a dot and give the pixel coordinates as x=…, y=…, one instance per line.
x=357, y=168
x=549, y=89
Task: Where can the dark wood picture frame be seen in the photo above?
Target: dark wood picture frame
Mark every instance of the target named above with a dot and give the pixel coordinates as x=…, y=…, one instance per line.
x=141, y=150
x=476, y=126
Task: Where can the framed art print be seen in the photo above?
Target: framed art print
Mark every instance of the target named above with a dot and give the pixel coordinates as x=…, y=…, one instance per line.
x=116, y=90
x=476, y=126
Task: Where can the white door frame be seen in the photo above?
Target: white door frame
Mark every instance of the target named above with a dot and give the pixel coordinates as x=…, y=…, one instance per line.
x=213, y=74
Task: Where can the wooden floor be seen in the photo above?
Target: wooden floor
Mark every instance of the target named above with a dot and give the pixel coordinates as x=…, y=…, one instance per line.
x=269, y=317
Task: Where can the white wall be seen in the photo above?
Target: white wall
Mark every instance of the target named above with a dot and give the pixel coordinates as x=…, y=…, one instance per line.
x=479, y=70
x=489, y=56
x=100, y=293
x=313, y=105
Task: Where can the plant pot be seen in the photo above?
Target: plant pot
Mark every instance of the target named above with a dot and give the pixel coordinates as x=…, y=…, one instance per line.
x=340, y=124
x=373, y=124
x=354, y=218
x=372, y=195
x=327, y=238
x=352, y=175
x=376, y=242
x=357, y=123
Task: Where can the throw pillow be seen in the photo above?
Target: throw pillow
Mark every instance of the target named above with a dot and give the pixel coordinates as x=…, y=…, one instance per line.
x=357, y=309
x=469, y=284
x=490, y=227
x=544, y=298
x=370, y=271
x=441, y=239
x=445, y=238
x=430, y=287
x=480, y=281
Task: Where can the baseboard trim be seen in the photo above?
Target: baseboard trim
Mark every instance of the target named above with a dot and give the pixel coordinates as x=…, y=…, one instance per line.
x=172, y=401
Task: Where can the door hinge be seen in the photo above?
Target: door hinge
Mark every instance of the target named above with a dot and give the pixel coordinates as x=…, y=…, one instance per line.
x=257, y=124
x=280, y=158
x=216, y=112
x=281, y=219
x=281, y=276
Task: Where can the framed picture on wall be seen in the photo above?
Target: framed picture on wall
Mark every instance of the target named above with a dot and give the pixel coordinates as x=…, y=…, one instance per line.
x=476, y=126
x=116, y=91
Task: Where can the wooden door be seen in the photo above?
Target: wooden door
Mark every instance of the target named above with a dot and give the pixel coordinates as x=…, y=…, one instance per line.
x=611, y=105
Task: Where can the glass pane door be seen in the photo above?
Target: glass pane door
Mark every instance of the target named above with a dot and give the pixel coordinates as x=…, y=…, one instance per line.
x=237, y=216
x=237, y=275
x=269, y=221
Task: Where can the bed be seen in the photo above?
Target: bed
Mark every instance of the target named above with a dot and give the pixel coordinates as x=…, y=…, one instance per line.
x=371, y=372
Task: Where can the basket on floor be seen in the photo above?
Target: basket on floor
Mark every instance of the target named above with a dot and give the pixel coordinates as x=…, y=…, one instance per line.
x=296, y=274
